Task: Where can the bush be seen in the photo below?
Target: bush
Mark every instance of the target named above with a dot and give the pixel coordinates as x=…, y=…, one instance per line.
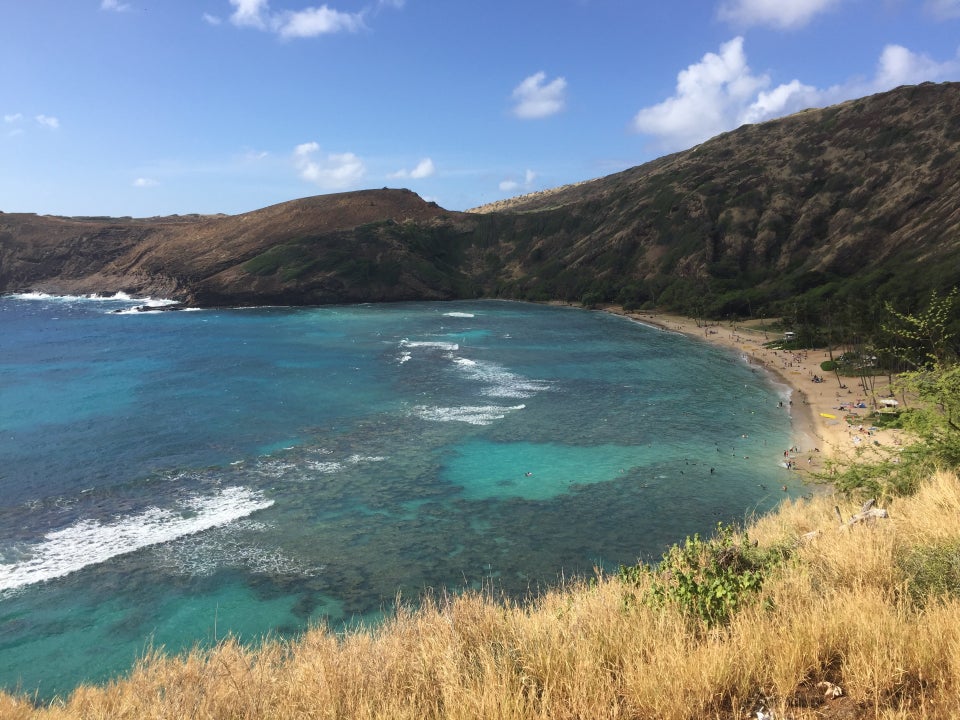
x=707, y=580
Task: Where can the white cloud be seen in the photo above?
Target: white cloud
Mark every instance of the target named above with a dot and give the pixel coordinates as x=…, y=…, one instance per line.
x=336, y=171
x=308, y=22
x=900, y=66
x=114, y=5
x=142, y=182
x=251, y=156
x=47, y=121
x=943, y=9
x=709, y=97
x=783, y=14
x=211, y=19
x=720, y=93
x=316, y=21
x=536, y=100
x=512, y=185
x=14, y=120
x=249, y=13
x=424, y=169
x=782, y=100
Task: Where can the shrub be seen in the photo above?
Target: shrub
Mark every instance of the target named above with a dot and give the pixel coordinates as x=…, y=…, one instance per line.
x=707, y=580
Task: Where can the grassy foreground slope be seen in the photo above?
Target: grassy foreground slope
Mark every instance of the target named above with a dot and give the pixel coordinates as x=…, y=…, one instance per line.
x=871, y=609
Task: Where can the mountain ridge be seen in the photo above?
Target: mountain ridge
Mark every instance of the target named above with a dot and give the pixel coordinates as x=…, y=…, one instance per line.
x=860, y=199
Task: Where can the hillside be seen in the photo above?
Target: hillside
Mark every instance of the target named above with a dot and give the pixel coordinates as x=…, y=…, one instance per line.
x=851, y=202
x=310, y=251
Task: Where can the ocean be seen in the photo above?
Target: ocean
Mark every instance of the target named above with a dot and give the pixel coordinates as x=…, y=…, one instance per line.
x=171, y=478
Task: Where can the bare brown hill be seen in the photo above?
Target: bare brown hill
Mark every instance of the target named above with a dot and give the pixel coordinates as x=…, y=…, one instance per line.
x=202, y=260
x=846, y=204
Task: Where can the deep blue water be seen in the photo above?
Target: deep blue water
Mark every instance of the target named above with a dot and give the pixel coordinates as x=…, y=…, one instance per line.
x=167, y=478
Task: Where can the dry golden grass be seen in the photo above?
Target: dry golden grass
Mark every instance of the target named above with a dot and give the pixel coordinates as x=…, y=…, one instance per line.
x=837, y=611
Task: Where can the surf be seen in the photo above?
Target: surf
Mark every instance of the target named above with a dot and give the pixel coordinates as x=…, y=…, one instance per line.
x=91, y=542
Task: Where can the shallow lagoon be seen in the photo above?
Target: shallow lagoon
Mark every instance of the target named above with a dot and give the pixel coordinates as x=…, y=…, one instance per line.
x=168, y=478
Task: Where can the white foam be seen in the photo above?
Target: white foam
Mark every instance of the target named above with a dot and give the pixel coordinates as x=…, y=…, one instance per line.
x=357, y=459
x=294, y=471
x=90, y=542
x=275, y=468
x=116, y=297
x=471, y=414
x=47, y=296
x=500, y=382
x=458, y=314
x=324, y=468
x=31, y=296
x=230, y=547
x=137, y=311
x=436, y=344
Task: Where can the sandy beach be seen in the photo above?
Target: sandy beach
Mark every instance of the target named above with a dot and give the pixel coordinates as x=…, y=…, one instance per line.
x=828, y=417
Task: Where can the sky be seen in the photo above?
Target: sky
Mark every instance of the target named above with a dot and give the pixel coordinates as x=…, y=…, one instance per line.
x=144, y=107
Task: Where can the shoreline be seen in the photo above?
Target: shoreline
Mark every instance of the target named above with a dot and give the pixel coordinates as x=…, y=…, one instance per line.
x=825, y=420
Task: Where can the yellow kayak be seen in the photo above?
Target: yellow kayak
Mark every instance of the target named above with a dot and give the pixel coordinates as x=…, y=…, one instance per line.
x=828, y=415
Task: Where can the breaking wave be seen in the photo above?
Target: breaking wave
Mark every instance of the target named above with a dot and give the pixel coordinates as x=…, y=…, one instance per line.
x=471, y=414
x=498, y=381
x=90, y=542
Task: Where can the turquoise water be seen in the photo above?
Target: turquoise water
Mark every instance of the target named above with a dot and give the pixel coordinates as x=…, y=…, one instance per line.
x=168, y=478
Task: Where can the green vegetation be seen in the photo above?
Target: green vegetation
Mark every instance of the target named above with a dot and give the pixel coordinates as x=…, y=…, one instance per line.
x=924, y=342
x=706, y=580
x=291, y=260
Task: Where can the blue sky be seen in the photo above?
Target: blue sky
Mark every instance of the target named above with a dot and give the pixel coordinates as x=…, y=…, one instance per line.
x=138, y=107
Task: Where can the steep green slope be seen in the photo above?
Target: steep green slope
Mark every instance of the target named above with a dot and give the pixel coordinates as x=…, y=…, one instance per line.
x=854, y=200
